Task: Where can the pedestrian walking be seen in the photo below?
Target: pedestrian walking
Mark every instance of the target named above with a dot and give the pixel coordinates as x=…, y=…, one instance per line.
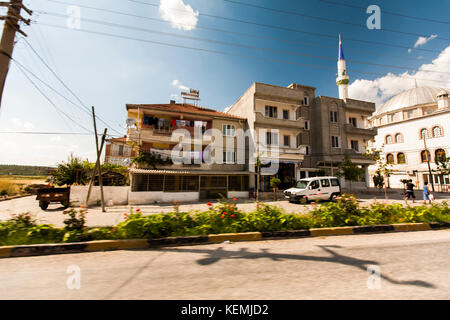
x=409, y=194
x=426, y=193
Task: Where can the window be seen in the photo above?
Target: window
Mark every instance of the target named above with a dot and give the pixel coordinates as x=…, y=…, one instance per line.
x=286, y=114
x=238, y=183
x=305, y=101
x=229, y=157
x=228, y=130
x=393, y=117
x=409, y=114
x=439, y=155
x=428, y=111
x=271, y=138
x=307, y=151
x=334, y=142
x=390, y=158
x=352, y=121
x=437, y=132
x=388, y=139
x=120, y=150
x=325, y=183
x=287, y=141
x=271, y=112
x=355, y=145
x=314, y=184
x=423, y=133
x=425, y=156
x=333, y=116
x=401, y=159
x=398, y=138
x=335, y=182
x=306, y=124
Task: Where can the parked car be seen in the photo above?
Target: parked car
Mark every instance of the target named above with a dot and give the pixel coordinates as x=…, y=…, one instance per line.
x=313, y=189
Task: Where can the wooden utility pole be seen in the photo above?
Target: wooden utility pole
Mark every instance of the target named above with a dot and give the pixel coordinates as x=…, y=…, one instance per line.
x=97, y=165
x=7, y=43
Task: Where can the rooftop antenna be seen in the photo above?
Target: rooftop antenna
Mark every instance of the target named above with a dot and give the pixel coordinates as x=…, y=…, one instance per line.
x=193, y=95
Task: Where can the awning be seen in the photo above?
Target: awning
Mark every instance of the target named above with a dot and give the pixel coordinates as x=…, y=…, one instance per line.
x=189, y=172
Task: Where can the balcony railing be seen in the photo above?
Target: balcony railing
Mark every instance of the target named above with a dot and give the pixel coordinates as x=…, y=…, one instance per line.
x=350, y=128
x=276, y=122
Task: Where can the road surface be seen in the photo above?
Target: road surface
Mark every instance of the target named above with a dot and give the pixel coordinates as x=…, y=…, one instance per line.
x=412, y=265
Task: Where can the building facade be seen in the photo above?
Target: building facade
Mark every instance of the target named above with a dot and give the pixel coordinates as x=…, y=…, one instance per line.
x=413, y=133
x=181, y=135
x=118, y=152
x=315, y=133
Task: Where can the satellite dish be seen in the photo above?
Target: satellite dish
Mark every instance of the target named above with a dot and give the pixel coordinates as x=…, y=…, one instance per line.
x=131, y=122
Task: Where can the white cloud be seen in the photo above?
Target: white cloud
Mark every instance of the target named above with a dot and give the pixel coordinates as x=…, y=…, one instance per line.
x=381, y=89
x=21, y=125
x=180, y=15
x=423, y=40
x=176, y=83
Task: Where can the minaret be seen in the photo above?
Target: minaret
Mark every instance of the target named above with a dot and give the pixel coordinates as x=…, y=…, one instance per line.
x=342, y=79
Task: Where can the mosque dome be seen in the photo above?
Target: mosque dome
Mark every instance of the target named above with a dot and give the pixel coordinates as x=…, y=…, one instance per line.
x=410, y=98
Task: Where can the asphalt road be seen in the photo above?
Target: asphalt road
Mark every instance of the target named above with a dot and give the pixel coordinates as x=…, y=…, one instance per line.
x=412, y=265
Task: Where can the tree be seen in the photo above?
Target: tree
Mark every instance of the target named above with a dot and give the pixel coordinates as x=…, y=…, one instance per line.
x=350, y=171
x=70, y=172
x=274, y=183
x=378, y=180
x=383, y=168
x=151, y=159
x=443, y=167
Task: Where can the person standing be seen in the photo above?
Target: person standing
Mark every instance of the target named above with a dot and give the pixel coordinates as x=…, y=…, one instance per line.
x=410, y=191
x=426, y=193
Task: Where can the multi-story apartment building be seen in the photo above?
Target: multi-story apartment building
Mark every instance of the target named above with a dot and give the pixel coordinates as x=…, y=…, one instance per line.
x=198, y=171
x=314, y=133
x=118, y=152
x=274, y=118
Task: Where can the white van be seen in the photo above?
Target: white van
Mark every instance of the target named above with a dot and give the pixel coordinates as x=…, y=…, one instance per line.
x=313, y=189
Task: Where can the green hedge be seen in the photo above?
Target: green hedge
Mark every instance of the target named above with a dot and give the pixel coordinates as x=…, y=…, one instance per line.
x=223, y=218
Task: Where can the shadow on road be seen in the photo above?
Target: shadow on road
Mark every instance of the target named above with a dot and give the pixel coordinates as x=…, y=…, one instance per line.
x=221, y=254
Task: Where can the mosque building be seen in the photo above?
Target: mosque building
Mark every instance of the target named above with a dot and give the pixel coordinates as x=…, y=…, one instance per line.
x=413, y=132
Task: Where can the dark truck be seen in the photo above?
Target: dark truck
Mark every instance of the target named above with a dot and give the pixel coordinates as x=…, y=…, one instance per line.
x=46, y=196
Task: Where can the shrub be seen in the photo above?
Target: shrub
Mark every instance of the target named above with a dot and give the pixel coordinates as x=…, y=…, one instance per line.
x=76, y=220
x=3, y=193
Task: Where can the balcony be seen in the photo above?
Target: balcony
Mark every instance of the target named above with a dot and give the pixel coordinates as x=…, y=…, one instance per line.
x=361, y=106
x=149, y=134
x=350, y=129
x=260, y=119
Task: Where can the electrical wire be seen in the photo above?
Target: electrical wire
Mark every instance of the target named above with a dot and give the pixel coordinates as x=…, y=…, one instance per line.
x=241, y=33
x=296, y=53
x=270, y=26
x=232, y=54
x=319, y=18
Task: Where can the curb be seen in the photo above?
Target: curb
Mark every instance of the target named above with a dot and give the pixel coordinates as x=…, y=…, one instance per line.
x=110, y=245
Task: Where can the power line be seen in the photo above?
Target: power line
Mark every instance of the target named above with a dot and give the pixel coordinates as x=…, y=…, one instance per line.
x=241, y=45
x=271, y=26
x=64, y=84
x=230, y=53
x=47, y=133
x=48, y=99
x=242, y=34
x=385, y=11
x=320, y=18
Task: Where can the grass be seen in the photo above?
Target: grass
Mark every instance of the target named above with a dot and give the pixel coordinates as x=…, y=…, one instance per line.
x=10, y=188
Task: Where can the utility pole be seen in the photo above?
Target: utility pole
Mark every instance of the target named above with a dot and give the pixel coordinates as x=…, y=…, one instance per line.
x=428, y=155
x=9, y=34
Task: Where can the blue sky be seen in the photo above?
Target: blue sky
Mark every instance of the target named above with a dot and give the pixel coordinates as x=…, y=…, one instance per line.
x=110, y=72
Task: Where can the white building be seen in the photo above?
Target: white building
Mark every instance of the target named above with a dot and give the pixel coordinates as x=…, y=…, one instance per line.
x=408, y=124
